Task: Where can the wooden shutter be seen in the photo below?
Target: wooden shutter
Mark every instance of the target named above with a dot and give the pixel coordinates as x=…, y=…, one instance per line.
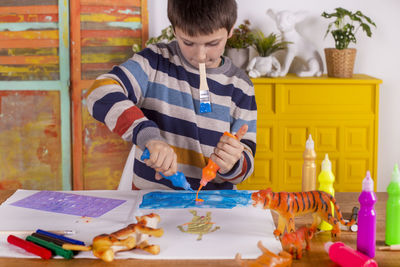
x=34, y=96
x=102, y=35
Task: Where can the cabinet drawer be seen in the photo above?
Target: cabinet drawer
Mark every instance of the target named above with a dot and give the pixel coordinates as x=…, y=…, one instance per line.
x=265, y=98
x=326, y=98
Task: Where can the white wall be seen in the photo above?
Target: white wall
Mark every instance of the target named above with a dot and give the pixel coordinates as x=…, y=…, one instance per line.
x=376, y=56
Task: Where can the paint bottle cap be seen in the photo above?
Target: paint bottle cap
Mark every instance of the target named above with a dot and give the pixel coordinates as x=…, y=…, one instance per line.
x=396, y=174
x=368, y=183
x=354, y=228
x=310, y=143
x=326, y=164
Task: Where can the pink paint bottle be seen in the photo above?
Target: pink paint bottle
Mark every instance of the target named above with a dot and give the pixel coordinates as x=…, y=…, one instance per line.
x=366, y=235
x=345, y=256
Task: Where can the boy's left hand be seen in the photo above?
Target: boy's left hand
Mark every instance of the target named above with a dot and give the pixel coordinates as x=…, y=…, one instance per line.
x=229, y=150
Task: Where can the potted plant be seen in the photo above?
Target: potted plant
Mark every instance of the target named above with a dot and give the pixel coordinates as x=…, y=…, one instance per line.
x=340, y=60
x=265, y=64
x=167, y=35
x=237, y=46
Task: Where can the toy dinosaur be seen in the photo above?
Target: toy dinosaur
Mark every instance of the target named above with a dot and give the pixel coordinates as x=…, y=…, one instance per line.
x=293, y=242
x=267, y=259
x=289, y=205
x=133, y=236
x=199, y=225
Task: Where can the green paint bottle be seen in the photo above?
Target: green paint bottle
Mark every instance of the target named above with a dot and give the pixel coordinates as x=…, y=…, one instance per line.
x=326, y=180
x=393, y=209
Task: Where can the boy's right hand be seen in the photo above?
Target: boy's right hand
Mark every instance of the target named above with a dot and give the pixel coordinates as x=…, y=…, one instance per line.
x=162, y=158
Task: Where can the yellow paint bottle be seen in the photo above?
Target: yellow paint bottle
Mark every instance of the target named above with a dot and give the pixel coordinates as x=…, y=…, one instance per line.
x=309, y=176
x=326, y=180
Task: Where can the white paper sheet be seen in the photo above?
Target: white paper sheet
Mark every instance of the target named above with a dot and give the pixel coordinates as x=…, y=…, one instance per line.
x=241, y=228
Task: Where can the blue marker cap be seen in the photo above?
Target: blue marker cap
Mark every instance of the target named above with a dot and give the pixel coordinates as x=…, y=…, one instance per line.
x=60, y=237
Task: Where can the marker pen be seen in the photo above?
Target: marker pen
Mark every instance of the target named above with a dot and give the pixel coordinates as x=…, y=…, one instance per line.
x=56, y=241
x=67, y=254
x=29, y=247
x=63, y=238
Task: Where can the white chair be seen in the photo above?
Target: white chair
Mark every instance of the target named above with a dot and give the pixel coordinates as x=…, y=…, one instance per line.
x=125, y=184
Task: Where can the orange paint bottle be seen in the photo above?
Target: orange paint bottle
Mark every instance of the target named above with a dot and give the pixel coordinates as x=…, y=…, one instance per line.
x=210, y=171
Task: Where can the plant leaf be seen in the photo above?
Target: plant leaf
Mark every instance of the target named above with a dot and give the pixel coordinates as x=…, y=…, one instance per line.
x=344, y=30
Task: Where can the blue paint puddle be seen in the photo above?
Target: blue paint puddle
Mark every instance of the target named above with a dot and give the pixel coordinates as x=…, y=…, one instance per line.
x=222, y=199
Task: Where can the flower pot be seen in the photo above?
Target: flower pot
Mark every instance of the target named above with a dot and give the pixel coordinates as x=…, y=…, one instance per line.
x=264, y=66
x=239, y=56
x=340, y=63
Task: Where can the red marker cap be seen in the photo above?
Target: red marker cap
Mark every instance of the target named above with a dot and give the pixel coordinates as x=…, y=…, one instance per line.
x=30, y=247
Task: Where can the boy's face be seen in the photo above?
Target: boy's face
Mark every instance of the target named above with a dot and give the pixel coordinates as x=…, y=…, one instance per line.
x=203, y=48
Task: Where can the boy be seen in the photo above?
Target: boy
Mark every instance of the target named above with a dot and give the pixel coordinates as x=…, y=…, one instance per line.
x=152, y=100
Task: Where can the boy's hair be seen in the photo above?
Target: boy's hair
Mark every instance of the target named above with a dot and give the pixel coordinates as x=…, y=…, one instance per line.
x=202, y=17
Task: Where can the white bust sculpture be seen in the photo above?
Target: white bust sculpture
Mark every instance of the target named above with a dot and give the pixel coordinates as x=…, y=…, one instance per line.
x=299, y=47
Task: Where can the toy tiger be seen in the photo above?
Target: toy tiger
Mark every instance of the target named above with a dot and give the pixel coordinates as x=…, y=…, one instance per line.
x=288, y=205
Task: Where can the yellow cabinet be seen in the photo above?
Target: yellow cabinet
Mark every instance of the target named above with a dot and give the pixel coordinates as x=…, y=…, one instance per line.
x=340, y=114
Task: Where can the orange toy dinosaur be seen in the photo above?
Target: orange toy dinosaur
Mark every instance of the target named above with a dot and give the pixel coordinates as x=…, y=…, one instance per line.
x=293, y=242
x=289, y=205
x=133, y=236
x=267, y=259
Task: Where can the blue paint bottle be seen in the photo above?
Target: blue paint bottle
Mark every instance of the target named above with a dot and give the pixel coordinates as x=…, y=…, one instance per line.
x=178, y=179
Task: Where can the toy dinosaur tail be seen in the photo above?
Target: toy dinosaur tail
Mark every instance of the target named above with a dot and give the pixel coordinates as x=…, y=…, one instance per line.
x=339, y=213
x=76, y=247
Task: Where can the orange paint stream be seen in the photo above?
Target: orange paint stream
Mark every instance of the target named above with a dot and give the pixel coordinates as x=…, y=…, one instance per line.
x=197, y=195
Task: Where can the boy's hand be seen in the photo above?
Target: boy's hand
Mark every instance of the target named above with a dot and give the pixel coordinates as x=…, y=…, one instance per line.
x=229, y=150
x=162, y=158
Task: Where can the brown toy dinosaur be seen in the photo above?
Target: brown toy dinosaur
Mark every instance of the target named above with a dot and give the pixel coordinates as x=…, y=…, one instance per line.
x=133, y=236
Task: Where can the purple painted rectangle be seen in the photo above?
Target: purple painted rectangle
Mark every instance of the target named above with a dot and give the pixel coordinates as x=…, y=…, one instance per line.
x=67, y=203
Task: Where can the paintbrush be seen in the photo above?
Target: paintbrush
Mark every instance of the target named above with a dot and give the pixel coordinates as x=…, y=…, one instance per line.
x=205, y=102
x=392, y=247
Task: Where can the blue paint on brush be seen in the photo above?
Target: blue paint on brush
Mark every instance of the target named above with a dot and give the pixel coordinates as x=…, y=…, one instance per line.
x=205, y=107
x=221, y=199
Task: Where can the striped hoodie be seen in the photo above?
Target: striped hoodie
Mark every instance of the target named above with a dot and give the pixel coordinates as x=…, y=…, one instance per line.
x=155, y=95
